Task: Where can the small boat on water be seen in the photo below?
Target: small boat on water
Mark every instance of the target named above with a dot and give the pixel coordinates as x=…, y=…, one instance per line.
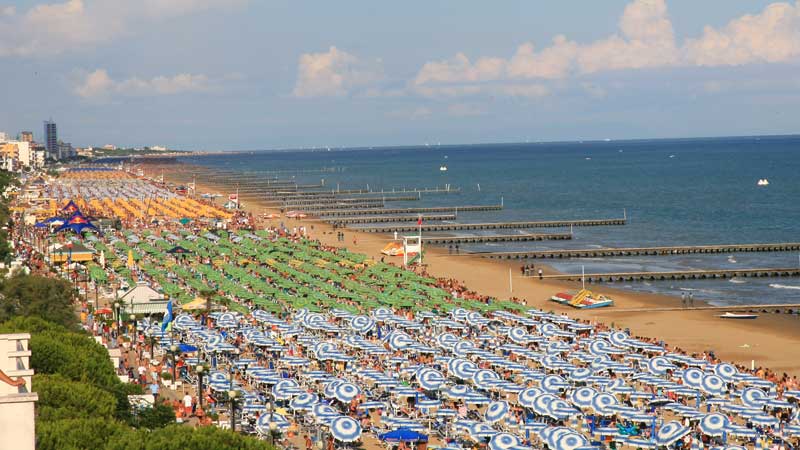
x=763, y=182
x=443, y=168
x=583, y=299
x=739, y=316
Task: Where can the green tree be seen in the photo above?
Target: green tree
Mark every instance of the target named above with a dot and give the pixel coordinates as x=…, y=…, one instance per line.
x=158, y=416
x=60, y=398
x=80, y=434
x=48, y=298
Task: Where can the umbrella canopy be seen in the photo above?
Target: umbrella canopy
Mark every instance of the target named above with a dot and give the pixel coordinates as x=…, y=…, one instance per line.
x=403, y=435
x=345, y=429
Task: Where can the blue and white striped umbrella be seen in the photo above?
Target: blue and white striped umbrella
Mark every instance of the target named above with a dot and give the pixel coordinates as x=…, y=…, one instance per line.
x=618, y=338
x=503, y=441
x=602, y=347
x=713, y=384
x=345, y=429
x=446, y=412
x=322, y=410
x=346, y=392
x=582, y=397
x=264, y=420
x=461, y=368
x=570, y=441
x=458, y=392
x=304, y=401
x=330, y=387
x=463, y=348
x=496, y=411
x=372, y=405
x=399, y=340
x=774, y=403
x=729, y=447
x=669, y=433
x=518, y=335
x=542, y=403
x=739, y=431
x=764, y=420
x=428, y=403
x=485, y=378
x=602, y=402
x=726, y=371
x=580, y=374
x=446, y=340
x=693, y=377
x=714, y=424
x=430, y=379
x=793, y=430
x=659, y=365
x=754, y=397
x=527, y=397
x=481, y=430
x=553, y=384
x=362, y=324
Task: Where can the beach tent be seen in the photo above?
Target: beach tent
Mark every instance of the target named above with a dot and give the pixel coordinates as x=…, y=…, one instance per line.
x=403, y=435
x=77, y=223
x=70, y=208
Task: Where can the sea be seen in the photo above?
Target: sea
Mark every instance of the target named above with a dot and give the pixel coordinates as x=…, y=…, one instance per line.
x=672, y=191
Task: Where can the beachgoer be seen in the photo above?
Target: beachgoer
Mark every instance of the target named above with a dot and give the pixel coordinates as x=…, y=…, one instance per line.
x=691, y=299
x=309, y=444
x=540, y=274
x=683, y=299
x=187, y=404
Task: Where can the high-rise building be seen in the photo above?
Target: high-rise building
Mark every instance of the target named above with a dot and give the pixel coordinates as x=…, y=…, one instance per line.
x=51, y=138
x=26, y=136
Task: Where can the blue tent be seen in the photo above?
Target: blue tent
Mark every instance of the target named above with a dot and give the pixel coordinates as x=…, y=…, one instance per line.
x=77, y=223
x=403, y=435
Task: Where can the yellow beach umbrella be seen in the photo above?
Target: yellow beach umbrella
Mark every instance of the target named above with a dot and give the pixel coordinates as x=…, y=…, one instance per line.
x=131, y=262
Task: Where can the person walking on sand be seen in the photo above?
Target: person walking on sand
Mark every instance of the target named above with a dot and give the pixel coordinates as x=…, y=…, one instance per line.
x=691, y=299
x=540, y=274
x=683, y=299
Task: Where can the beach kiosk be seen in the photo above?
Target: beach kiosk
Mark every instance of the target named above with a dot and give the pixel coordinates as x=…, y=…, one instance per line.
x=143, y=300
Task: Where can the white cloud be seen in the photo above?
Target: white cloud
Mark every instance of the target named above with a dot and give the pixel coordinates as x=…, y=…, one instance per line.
x=769, y=37
x=334, y=73
x=53, y=28
x=99, y=85
x=645, y=40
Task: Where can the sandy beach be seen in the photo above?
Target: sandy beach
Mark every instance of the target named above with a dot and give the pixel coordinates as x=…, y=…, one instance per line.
x=770, y=341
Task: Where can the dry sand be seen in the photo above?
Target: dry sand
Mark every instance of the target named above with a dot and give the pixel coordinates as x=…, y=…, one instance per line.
x=773, y=340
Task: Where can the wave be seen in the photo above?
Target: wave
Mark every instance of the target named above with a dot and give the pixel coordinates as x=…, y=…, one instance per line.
x=784, y=286
x=737, y=281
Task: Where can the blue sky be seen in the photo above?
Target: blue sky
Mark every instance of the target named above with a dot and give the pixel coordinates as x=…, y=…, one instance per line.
x=239, y=74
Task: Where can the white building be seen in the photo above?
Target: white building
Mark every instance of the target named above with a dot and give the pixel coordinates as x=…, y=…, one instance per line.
x=16, y=398
x=3, y=136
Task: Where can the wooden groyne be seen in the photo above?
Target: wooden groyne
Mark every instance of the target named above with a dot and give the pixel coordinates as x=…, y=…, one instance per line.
x=338, y=200
x=678, y=275
x=495, y=226
x=387, y=218
x=334, y=193
x=328, y=206
x=432, y=209
x=645, y=251
x=438, y=240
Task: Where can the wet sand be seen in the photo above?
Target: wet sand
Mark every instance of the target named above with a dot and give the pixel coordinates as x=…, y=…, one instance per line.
x=772, y=340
